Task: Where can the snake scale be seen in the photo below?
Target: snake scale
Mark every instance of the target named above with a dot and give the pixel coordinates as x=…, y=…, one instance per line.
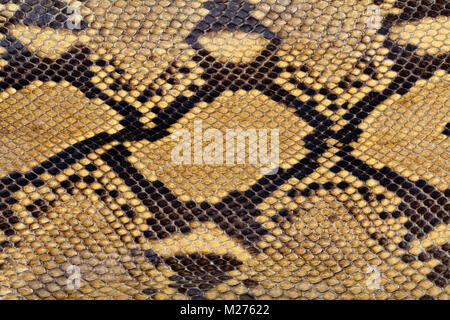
x=93, y=94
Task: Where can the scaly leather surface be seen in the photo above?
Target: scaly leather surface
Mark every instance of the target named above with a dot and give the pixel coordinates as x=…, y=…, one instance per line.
x=92, y=93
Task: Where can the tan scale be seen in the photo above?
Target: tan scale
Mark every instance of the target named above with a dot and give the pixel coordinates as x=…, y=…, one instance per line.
x=200, y=182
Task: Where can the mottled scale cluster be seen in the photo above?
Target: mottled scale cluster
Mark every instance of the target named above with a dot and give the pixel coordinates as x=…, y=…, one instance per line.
x=115, y=175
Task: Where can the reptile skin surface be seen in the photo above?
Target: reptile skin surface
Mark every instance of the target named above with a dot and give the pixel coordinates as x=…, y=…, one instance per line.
x=93, y=93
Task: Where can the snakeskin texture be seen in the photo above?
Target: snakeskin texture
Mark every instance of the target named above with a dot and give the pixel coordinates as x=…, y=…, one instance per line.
x=93, y=93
